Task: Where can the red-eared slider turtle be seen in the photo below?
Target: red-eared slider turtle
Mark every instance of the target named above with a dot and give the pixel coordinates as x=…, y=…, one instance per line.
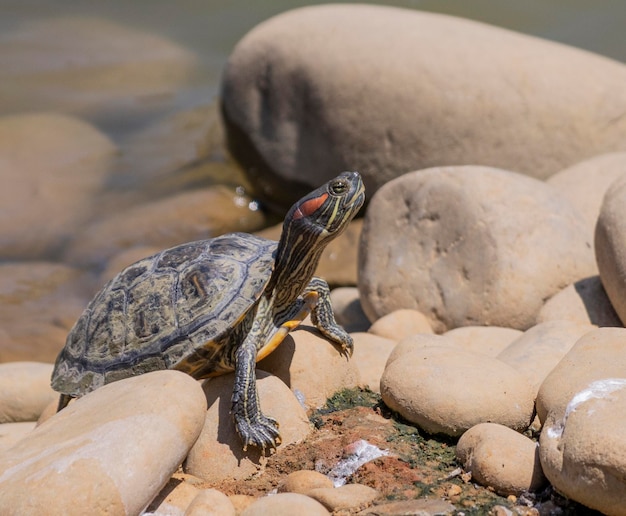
x=213, y=306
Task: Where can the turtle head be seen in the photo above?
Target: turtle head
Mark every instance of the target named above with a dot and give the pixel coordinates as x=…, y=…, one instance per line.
x=312, y=223
x=326, y=212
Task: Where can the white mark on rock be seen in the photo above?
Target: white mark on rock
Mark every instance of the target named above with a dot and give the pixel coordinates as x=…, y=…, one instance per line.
x=358, y=453
x=595, y=390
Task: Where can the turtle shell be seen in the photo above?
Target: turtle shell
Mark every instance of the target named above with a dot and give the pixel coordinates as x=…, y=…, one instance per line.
x=162, y=309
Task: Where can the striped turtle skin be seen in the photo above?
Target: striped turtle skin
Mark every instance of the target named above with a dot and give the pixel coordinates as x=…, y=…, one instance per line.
x=214, y=306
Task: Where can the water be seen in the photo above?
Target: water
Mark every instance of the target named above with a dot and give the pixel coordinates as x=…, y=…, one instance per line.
x=211, y=28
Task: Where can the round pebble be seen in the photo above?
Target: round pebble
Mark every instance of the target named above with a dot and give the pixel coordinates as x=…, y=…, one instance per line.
x=285, y=504
x=303, y=481
x=501, y=458
x=211, y=502
x=448, y=390
x=347, y=497
x=401, y=324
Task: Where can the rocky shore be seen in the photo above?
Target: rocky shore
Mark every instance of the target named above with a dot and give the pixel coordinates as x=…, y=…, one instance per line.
x=484, y=286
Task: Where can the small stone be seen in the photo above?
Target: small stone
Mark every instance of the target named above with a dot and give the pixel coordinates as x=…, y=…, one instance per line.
x=312, y=366
x=347, y=497
x=303, y=481
x=218, y=453
x=24, y=390
x=540, y=348
x=370, y=356
x=211, y=502
x=285, y=504
x=127, y=438
x=583, y=448
x=448, y=390
x=401, y=324
x=501, y=458
x=598, y=354
x=489, y=340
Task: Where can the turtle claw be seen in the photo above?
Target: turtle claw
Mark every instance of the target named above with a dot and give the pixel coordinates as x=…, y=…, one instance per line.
x=262, y=433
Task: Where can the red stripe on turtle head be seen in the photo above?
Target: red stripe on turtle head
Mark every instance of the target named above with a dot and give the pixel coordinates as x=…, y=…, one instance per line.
x=309, y=207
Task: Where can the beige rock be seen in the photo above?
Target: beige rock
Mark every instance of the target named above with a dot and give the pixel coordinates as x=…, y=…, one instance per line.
x=400, y=324
x=24, y=390
x=423, y=506
x=175, y=497
x=416, y=342
x=89, y=65
x=371, y=353
x=112, y=450
x=11, y=433
x=311, y=366
x=610, y=242
x=583, y=450
x=39, y=303
x=598, y=354
x=285, y=504
x=347, y=497
x=501, y=458
x=585, y=183
x=314, y=115
x=303, y=481
x=52, y=166
x=218, y=453
x=584, y=301
x=348, y=310
x=471, y=246
x=448, y=390
x=541, y=348
x=489, y=340
x=211, y=502
x=182, y=217
x=338, y=264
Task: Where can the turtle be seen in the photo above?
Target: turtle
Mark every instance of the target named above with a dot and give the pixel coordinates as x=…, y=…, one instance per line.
x=214, y=306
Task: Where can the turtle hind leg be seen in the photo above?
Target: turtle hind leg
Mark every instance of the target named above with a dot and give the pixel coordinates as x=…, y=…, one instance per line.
x=323, y=318
x=64, y=400
x=252, y=425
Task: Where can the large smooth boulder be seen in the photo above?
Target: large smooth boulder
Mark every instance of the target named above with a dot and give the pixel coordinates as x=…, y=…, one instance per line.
x=385, y=90
x=25, y=391
x=469, y=246
x=110, y=452
x=610, y=245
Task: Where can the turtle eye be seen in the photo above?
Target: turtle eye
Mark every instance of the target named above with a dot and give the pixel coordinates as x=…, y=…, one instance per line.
x=339, y=187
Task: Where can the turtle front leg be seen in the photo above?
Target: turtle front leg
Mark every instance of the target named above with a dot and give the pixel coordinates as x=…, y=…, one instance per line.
x=323, y=318
x=252, y=425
